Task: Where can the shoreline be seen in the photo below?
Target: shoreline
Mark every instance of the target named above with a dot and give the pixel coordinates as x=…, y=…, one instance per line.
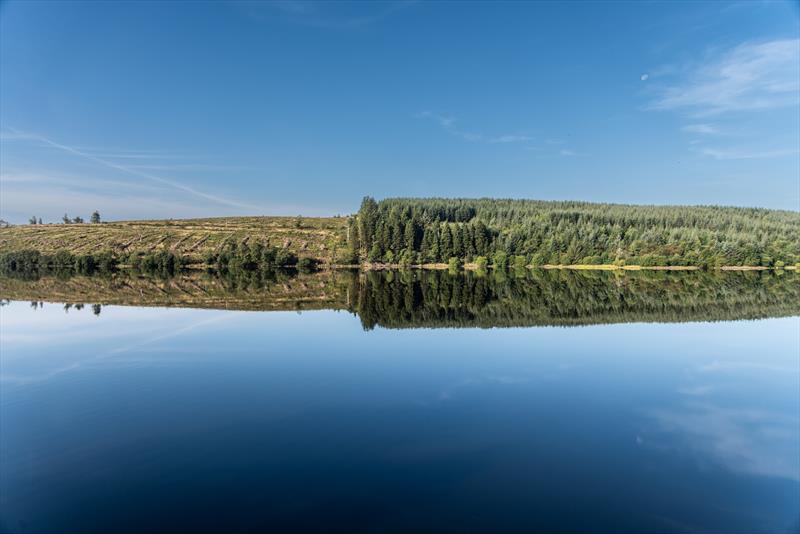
x=574, y=267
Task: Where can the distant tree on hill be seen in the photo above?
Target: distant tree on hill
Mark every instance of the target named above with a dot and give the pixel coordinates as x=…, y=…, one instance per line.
x=66, y=219
x=33, y=220
x=40, y=220
x=95, y=217
x=78, y=220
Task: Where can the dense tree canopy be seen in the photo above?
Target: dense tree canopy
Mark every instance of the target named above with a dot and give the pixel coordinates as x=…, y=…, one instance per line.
x=540, y=232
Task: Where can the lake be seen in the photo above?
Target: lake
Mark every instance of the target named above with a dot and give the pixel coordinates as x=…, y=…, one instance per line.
x=382, y=402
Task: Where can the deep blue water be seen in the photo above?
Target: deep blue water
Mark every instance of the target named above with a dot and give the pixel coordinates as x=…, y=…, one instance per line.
x=156, y=419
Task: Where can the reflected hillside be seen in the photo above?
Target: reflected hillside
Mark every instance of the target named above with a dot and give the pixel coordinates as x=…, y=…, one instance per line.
x=244, y=290
x=438, y=299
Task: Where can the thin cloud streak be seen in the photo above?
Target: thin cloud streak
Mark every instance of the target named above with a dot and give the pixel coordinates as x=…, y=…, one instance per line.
x=727, y=154
x=321, y=14
x=749, y=77
x=49, y=195
x=132, y=171
x=448, y=123
x=700, y=129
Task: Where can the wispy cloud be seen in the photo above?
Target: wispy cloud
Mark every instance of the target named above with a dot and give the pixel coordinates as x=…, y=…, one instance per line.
x=49, y=196
x=107, y=162
x=700, y=128
x=734, y=86
x=198, y=167
x=732, y=153
x=749, y=77
x=448, y=123
x=511, y=139
x=331, y=15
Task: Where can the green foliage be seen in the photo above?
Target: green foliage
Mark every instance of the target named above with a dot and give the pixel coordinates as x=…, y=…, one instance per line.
x=406, y=258
x=481, y=262
x=307, y=265
x=430, y=299
x=575, y=232
x=500, y=260
x=95, y=219
x=375, y=253
x=32, y=263
x=251, y=257
x=454, y=264
x=347, y=256
x=163, y=263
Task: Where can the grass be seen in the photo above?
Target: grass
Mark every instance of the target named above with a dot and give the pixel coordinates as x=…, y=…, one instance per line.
x=318, y=237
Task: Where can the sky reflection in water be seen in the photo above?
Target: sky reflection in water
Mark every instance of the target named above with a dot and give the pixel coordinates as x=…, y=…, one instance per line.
x=144, y=417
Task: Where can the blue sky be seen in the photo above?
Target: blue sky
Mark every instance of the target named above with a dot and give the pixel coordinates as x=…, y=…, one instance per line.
x=192, y=109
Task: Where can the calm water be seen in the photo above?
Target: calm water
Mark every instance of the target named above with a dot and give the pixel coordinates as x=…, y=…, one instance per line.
x=159, y=418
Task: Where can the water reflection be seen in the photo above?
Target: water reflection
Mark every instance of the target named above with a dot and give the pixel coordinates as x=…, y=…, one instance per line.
x=143, y=418
x=430, y=299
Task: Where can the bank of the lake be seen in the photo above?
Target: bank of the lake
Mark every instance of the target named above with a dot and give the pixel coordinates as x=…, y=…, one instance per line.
x=436, y=234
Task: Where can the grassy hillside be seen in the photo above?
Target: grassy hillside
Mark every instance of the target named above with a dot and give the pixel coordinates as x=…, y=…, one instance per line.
x=320, y=238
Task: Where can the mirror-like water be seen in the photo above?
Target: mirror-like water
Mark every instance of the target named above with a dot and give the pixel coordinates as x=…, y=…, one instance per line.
x=677, y=410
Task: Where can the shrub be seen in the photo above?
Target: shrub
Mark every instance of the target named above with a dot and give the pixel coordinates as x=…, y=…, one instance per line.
x=537, y=259
x=406, y=258
x=500, y=260
x=307, y=265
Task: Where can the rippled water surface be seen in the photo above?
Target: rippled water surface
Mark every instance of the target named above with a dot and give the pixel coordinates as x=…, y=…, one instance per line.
x=372, y=412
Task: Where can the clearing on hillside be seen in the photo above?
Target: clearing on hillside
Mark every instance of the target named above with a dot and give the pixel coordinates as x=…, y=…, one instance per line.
x=318, y=237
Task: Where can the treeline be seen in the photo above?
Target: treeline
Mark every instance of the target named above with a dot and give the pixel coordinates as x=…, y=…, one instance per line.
x=31, y=263
x=256, y=257
x=240, y=261
x=437, y=299
x=66, y=219
x=528, y=232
